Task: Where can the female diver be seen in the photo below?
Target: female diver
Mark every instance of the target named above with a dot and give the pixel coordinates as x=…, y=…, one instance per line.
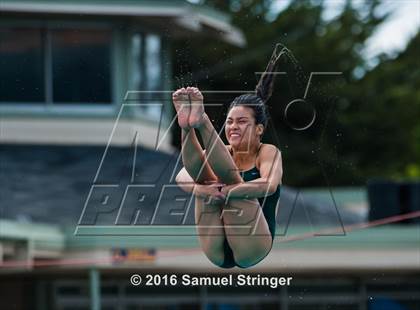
x=236, y=186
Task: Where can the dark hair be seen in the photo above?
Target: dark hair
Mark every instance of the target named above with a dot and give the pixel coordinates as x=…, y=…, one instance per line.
x=255, y=103
x=263, y=90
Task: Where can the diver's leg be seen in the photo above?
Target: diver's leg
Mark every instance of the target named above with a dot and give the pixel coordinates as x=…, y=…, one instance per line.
x=210, y=230
x=191, y=151
x=211, y=233
x=247, y=231
x=194, y=159
x=217, y=154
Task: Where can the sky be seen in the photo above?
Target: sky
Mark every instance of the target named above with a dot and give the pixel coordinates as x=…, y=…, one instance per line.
x=392, y=36
x=402, y=25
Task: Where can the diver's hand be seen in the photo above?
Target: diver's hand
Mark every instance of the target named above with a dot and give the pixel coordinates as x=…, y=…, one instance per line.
x=210, y=193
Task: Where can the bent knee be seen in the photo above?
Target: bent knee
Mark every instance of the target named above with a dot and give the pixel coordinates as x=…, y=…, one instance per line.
x=214, y=253
x=249, y=258
x=216, y=258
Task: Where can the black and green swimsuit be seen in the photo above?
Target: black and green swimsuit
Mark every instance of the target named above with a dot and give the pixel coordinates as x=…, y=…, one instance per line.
x=269, y=211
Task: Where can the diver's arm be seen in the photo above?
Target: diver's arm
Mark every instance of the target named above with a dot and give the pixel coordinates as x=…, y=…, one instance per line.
x=211, y=191
x=270, y=171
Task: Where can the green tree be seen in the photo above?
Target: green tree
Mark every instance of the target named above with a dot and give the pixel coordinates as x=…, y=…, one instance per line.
x=383, y=117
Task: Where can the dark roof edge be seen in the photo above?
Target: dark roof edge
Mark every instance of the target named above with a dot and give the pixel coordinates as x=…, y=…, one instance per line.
x=192, y=17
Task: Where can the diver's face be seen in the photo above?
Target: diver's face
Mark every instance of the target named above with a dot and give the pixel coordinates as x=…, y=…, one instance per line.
x=241, y=130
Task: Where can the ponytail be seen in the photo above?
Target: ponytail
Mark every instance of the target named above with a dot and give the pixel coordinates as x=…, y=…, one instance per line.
x=264, y=88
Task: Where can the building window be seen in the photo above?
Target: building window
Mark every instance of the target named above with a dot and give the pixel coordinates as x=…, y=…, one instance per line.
x=22, y=65
x=136, y=77
x=81, y=66
x=153, y=71
x=146, y=74
x=55, y=66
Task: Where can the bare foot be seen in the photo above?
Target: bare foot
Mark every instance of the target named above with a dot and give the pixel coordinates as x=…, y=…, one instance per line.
x=182, y=106
x=196, y=106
